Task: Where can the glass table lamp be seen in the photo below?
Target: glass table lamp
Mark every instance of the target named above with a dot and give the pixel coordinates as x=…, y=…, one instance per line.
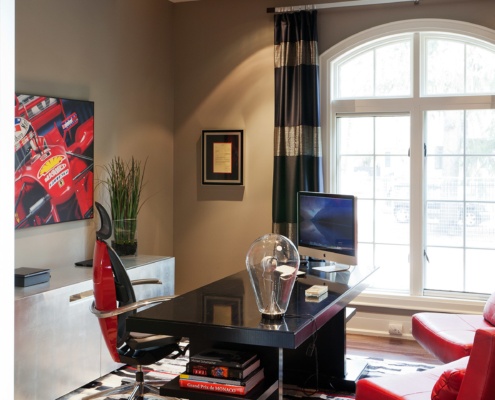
x=272, y=262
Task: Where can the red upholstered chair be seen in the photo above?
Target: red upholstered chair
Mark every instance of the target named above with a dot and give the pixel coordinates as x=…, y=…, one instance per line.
x=469, y=378
x=114, y=302
x=450, y=336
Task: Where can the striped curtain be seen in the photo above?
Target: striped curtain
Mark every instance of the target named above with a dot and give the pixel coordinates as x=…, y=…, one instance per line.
x=297, y=159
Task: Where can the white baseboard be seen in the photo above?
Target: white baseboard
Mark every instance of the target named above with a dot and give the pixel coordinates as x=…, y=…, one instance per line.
x=367, y=332
x=377, y=324
x=389, y=303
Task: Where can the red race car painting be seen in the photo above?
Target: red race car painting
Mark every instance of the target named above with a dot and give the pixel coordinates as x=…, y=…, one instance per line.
x=53, y=160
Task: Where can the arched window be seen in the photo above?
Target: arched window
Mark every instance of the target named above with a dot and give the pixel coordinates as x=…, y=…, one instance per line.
x=409, y=127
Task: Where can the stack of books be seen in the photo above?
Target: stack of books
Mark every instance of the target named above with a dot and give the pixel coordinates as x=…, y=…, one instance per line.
x=223, y=371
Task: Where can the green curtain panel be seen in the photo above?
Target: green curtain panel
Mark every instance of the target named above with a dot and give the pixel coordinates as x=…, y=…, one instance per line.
x=297, y=157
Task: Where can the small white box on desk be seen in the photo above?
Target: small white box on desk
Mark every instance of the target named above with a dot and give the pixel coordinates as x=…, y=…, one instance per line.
x=316, y=291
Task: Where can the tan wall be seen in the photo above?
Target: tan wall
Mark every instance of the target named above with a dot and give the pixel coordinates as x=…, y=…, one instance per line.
x=224, y=80
x=223, y=77
x=159, y=73
x=117, y=54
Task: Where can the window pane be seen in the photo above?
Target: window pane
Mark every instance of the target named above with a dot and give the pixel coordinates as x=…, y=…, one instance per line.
x=480, y=70
x=480, y=131
x=393, y=70
x=387, y=228
x=444, y=223
x=355, y=76
x=392, y=135
x=356, y=176
x=445, y=269
x=366, y=221
x=480, y=273
x=480, y=185
x=392, y=173
x=480, y=228
x=355, y=135
x=444, y=67
x=445, y=179
x=445, y=132
x=393, y=274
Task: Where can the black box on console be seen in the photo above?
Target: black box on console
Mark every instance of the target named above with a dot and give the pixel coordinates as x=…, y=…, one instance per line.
x=31, y=276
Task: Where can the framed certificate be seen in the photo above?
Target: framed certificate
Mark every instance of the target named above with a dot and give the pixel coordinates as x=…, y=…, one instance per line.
x=222, y=157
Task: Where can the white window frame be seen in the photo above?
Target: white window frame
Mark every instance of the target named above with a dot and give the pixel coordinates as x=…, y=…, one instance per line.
x=415, y=300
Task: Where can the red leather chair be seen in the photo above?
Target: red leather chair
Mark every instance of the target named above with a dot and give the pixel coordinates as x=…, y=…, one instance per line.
x=114, y=302
x=469, y=378
x=450, y=336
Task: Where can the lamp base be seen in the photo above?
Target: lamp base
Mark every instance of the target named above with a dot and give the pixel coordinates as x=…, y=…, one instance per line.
x=272, y=317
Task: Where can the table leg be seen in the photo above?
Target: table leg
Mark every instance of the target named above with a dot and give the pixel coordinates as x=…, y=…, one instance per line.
x=324, y=366
x=280, y=373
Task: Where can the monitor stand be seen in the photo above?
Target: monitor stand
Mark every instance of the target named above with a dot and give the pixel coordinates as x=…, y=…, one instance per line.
x=326, y=266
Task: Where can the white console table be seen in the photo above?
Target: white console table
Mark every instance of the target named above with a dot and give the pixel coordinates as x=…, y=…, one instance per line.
x=58, y=343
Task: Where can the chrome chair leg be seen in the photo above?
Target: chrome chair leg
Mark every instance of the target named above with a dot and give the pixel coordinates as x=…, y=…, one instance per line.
x=138, y=388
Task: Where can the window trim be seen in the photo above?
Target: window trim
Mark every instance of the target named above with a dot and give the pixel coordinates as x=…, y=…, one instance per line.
x=330, y=110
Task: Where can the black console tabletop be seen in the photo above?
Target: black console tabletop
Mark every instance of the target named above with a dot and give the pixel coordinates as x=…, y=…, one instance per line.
x=224, y=313
x=196, y=311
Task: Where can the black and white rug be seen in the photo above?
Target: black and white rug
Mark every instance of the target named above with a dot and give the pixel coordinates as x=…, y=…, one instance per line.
x=169, y=368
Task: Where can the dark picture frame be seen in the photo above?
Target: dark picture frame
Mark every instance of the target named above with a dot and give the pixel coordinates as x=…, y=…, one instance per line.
x=222, y=157
x=222, y=310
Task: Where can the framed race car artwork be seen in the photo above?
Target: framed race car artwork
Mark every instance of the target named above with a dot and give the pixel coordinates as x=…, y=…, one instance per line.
x=53, y=160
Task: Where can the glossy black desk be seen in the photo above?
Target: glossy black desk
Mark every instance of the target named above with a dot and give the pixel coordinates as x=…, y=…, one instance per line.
x=310, y=338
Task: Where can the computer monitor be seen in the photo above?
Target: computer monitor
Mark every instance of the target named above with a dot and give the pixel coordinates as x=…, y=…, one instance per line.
x=327, y=227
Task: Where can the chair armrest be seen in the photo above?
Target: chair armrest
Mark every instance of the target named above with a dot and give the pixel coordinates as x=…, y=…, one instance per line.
x=129, y=307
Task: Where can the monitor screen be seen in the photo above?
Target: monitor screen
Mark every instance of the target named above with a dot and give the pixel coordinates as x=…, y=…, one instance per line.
x=327, y=227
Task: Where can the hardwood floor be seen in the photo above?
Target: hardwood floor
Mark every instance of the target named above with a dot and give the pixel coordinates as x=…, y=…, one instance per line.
x=389, y=348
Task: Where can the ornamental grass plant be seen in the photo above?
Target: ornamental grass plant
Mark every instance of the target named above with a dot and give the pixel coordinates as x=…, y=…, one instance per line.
x=125, y=182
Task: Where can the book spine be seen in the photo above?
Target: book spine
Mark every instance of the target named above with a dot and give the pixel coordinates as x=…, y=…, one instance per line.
x=212, y=387
x=205, y=361
x=202, y=378
x=214, y=371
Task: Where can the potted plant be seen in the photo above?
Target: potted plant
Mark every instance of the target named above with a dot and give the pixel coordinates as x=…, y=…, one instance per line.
x=124, y=182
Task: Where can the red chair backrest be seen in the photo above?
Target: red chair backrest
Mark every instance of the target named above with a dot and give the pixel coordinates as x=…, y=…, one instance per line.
x=105, y=296
x=478, y=383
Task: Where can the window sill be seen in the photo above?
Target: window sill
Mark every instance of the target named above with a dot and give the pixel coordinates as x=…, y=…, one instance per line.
x=394, y=301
